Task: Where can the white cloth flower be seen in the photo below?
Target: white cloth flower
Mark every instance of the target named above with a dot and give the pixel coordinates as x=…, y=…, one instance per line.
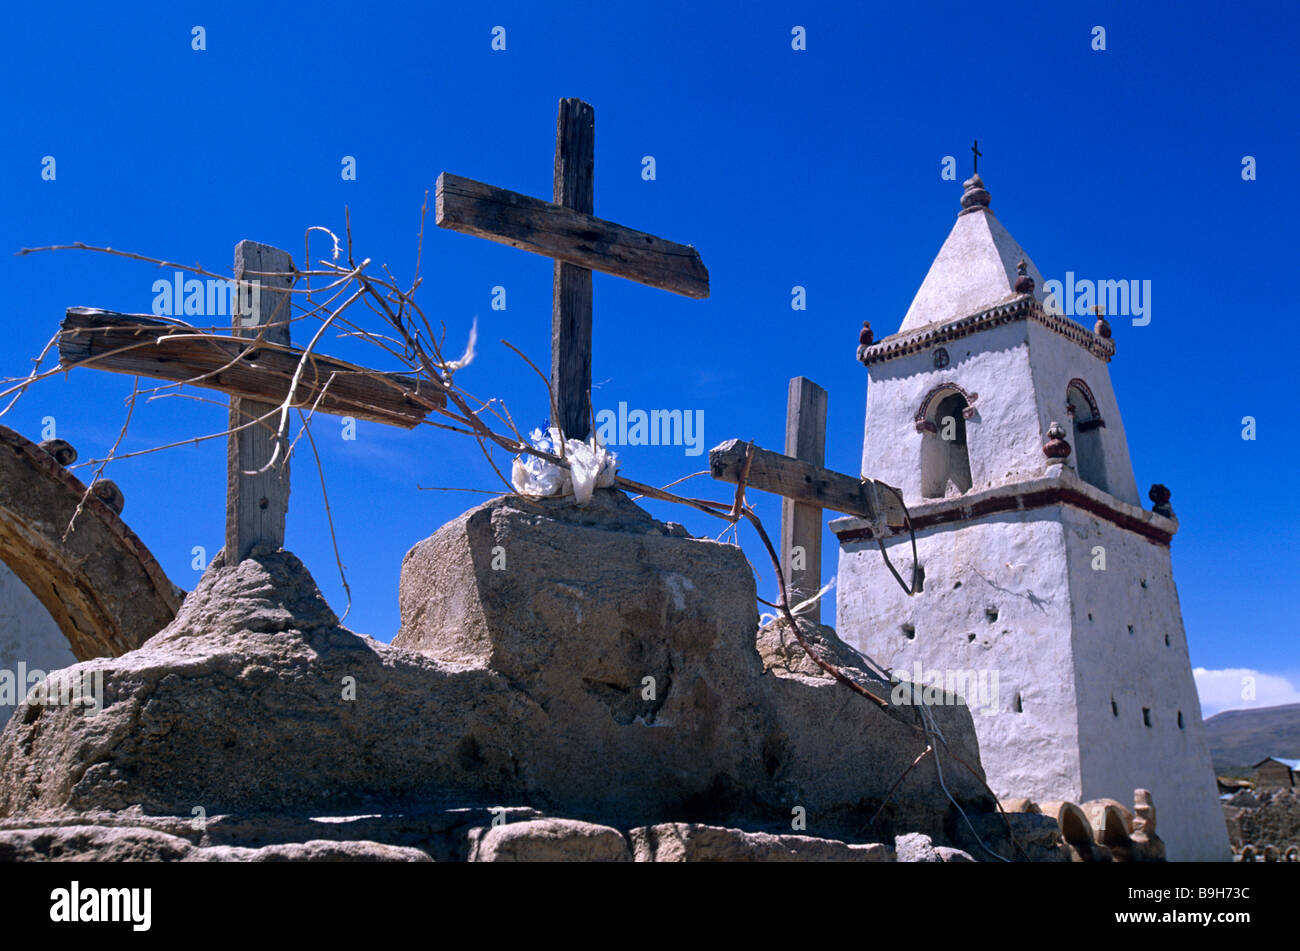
x=591, y=466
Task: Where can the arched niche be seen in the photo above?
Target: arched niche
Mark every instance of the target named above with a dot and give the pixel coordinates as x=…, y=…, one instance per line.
x=945, y=452
x=1089, y=456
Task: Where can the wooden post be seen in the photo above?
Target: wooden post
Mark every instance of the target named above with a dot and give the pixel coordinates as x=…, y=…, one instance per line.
x=801, y=523
x=256, y=505
x=575, y=163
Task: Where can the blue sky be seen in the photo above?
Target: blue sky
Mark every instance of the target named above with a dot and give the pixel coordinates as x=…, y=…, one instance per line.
x=819, y=168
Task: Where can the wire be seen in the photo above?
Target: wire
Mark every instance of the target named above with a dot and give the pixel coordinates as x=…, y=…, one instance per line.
x=932, y=730
x=909, y=591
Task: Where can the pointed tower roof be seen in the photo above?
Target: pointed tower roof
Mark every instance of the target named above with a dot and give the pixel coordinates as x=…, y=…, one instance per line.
x=974, y=270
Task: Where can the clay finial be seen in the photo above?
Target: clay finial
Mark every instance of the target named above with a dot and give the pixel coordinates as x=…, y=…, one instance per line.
x=1101, y=328
x=1024, y=283
x=1056, y=447
x=1159, y=495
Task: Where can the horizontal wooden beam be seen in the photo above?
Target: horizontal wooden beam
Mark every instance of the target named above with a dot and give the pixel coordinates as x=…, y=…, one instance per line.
x=137, y=344
x=804, y=482
x=564, y=234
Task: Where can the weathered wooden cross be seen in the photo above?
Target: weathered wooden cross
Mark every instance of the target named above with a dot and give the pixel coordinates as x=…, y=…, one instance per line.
x=806, y=488
x=257, y=374
x=567, y=231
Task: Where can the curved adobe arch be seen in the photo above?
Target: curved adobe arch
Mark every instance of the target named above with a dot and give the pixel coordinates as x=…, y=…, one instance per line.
x=1086, y=421
x=923, y=421
x=945, y=457
x=1086, y=392
x=102, y=586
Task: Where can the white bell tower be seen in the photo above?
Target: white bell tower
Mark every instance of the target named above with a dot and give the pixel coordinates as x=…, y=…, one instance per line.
x=1040, y=571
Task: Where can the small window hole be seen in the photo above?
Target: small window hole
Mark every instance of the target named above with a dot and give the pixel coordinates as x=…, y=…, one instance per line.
x=1146, y=716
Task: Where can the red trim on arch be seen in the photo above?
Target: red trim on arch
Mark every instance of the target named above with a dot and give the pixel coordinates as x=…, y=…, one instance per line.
x=922, y=420
x=1086, y=390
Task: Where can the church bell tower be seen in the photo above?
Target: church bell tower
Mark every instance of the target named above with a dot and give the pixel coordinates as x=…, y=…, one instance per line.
x=1040, y=572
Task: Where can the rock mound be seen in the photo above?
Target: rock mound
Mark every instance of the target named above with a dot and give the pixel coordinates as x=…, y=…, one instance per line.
x=639, y=642
x=554, y=663
x=242, y=704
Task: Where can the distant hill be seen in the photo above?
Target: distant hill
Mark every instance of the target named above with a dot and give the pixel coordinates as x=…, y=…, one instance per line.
x=1240, y=738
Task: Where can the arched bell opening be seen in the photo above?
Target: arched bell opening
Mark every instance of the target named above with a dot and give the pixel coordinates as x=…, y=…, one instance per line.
x=1089, y=458
x=945, y=451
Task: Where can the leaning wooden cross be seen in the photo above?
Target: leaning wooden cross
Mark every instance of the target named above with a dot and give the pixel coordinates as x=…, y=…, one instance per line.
x=256, y=367
x=566, y=230
x=807, y=487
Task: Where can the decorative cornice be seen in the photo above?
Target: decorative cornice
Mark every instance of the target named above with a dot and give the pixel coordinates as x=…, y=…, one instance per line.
x=1064, y=489
x=1024, y=307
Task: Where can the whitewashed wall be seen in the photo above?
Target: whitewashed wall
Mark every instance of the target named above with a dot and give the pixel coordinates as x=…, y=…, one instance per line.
x=1137, y=670
x=27, y=634
x=1011, y=564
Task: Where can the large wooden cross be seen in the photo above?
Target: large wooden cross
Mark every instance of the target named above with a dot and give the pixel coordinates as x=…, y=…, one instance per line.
x=806, y=488
x=801, y=523
x=566, y=230
x=255, y=366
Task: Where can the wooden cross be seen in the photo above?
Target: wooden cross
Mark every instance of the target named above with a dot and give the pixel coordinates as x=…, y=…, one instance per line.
x=975, y=149
x=807, y=487
x=257, y=378
x=257, y=503
x=801, y=523
x=567, y=231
